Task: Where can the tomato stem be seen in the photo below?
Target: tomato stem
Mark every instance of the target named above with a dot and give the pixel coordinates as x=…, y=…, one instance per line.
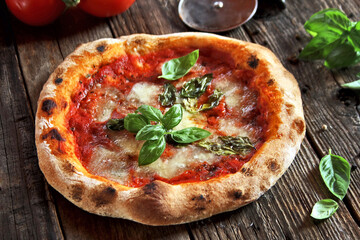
x=71, y=3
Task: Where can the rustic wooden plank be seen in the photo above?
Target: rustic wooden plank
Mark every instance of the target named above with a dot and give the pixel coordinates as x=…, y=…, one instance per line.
x=25, y=210
x=325, y=103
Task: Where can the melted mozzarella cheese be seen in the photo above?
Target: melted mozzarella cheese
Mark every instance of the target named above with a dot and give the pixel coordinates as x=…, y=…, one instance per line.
x=230, y=127
x=144, y=93
x=106, y=103
x=191, y=120
x=231, y=92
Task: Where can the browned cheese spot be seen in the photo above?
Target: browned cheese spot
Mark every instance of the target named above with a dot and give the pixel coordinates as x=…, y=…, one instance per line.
x=48, y=106
x=100, y=48
x=77, y=191
x=103, y=196
x=253, y=61
x=298, y=125
x=54, y=134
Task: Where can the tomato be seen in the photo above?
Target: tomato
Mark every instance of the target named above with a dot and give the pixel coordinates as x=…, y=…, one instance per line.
x=36, y=12
x=105, y=8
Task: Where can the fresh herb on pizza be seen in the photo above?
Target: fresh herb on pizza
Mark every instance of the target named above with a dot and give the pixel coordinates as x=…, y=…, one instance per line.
x=123, y=126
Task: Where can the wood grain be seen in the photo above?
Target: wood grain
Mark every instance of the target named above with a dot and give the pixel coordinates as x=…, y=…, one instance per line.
x=26, y=212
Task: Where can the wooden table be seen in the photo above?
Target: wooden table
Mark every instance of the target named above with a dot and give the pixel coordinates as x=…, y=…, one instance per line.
x=31, y=209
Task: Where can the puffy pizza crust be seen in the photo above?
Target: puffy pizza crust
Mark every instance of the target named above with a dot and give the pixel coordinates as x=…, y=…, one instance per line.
x=159, y=203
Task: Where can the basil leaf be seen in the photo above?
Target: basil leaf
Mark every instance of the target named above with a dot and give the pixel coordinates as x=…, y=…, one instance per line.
x=190, y=105
x=150, y=132
x=151, y=113
x=213, y=101
x=134, y=122
x=196, y=86
x=115, y=124
x=179, y=67
x=168, y=97
x=327, y=20
x=358, y=75
x=324, y=209
x=151, y=151
x=189, y=135
x=335, y=171
x=229, y=145
x=342, y=56
x=173, y=116
x=320, y=46
x=354, y=36
x=355, y=85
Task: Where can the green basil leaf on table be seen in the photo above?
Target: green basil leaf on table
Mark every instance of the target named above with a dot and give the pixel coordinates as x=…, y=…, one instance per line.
x=150, y=132
x=324, y=209
x=151, y=151
x=213, y=101
x=355, y=85
x=151, y=113
x=133, y=122
x=320, y=46
x=189, y=135
x=327, y=20
x=342, y=56
x=190, y=105
x=173, y=116
x=196, y=86
x=228, y=145
x=354, y=36
x=168, y=97
x=115, y=124
x=335, y=171
x=179, y=67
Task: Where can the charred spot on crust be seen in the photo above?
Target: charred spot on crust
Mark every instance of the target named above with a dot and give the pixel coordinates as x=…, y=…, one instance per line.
x=100, y=48
x=64, y=104
x=198, y=198
x=237, y=194
x=58, y=81
x=270, y=82
x=77, y=191
x=54, y=134
x=289, y=108
x=68, y=167
x=150, y=188
x=247, y=171
x=273, y=165
x=104, y=196
x=48, y=106
x=298, y=125
x=140, y=41
x=253, y=61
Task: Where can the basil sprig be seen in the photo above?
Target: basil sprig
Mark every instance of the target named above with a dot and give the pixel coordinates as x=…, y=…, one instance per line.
x=179, y=67
x=355, y=85
x=335, y=171
x=324, y=208
x=151, y=125
x=335, y=39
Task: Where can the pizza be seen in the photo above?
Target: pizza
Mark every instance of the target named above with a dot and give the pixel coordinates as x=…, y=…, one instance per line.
x=167, y=129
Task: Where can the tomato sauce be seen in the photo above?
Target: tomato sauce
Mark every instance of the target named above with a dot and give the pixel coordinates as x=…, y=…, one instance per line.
x=128, y=70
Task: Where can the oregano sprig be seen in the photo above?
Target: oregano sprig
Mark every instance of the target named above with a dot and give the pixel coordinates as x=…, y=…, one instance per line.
x=151, y=125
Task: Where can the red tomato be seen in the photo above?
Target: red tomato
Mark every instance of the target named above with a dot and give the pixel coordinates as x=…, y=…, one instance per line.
x=36, y=12
x=105, y=8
